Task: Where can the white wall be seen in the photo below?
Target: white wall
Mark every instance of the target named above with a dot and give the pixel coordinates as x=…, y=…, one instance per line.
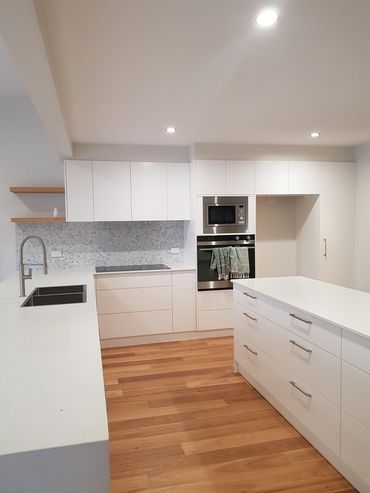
x=276, y=237
x=26, y=158
x=363, y=217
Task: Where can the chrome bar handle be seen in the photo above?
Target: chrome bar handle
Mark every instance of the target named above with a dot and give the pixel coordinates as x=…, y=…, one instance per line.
x=301, y=347
x=250, y=296
x=325, y=247
x=303, y=392
x=293, y=315
x=249, y=316
x=250, y=350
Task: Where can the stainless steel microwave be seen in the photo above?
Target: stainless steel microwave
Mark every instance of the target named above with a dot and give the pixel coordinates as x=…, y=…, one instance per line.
x=225, y=215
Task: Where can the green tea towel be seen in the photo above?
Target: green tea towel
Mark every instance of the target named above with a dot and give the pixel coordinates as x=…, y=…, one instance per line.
x=243, y=258
x=220, y=260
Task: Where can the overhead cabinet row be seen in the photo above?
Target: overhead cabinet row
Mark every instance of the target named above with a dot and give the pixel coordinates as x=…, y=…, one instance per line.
x=123, y=191
x=259, y=177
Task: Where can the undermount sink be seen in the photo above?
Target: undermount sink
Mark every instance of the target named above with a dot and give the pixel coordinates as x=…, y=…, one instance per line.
x=56, y=295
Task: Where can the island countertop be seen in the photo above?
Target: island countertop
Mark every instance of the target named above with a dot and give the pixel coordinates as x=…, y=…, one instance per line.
x=347, y=308
x=51, y=379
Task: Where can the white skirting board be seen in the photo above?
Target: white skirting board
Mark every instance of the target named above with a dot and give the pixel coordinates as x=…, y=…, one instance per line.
x=174, y=336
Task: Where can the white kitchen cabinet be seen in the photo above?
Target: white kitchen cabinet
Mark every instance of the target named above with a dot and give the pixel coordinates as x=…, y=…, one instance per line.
x=79, y=191
x=211, y=177
x=304, y=178
x=240, y=178
x=272, y=177
x=183, y=301
x=355, y=449
x=112, y=191
x=134, y=324
x=215, y=309
x=337, y=219
x=178, y=191
x=149, y=191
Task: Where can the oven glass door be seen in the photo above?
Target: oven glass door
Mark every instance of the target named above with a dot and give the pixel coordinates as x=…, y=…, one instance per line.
x=221, y=215
x=208, y=279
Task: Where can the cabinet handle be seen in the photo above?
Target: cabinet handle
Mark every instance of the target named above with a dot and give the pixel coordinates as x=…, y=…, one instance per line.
x=301, y=347
x=252, y=318
x=308, y=322
x=250, y=350
x=250, y=296
x=325, y=247
x=303, y=392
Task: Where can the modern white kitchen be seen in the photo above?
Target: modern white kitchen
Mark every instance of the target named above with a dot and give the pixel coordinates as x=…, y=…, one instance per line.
x=184, y=266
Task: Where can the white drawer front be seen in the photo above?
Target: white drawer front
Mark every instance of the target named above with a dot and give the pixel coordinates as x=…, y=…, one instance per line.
x=135, y=324
x=215, y=300
x=215, y=319
x=317, y=367
x=356, y=350
x=134, y=300
x=251, y=300
x=120, y=281
x=355, y=447
x=318, y=332
x=315, y=412
x=356, y=394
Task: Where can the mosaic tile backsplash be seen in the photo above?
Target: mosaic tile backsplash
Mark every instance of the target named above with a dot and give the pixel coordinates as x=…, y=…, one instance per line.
x=85, y=245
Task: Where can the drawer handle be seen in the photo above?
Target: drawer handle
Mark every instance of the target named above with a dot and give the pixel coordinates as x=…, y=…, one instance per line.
x=250, y=296
x=303, y=392
x=301, y=347
x=308, y=322
x=252, y=318
x=250, y=350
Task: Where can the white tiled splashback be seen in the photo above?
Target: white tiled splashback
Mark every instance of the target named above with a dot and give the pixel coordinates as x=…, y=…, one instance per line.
x=104, y=243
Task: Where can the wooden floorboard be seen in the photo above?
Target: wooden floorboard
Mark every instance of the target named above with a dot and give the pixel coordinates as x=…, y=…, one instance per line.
x=180, y=421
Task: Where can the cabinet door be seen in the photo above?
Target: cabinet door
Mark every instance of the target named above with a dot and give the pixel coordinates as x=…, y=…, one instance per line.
x=178, y=191
x=149, y=191
x=304, y=178
x=272, y=178
x=112, y=191
x=183, y=301
x=337, y=217
x=210, y=177
x=79, y=191
x=239, y=177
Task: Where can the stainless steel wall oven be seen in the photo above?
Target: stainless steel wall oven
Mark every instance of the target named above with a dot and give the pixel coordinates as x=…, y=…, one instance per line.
x=208, y=278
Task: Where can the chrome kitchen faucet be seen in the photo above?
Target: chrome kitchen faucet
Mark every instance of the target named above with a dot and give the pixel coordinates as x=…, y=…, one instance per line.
x=22, y=275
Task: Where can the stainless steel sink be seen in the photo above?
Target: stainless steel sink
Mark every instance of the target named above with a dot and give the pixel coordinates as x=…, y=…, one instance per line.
x=56, y=295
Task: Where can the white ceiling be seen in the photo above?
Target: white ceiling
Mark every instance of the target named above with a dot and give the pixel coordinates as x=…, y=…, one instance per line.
x=127, y=69
x=9, y=81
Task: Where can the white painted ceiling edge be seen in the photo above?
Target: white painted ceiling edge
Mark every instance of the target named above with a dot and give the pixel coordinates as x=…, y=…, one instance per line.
x=20, y=30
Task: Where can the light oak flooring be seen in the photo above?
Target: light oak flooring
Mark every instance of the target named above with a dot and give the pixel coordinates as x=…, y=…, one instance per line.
x=181, y=421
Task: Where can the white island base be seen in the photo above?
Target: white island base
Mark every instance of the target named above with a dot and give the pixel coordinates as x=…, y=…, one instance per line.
x=305, y=346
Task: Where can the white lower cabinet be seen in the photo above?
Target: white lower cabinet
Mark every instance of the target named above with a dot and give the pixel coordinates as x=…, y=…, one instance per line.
x=148, y=303
x=316, y=374
x=355, y=449
x=215, y=309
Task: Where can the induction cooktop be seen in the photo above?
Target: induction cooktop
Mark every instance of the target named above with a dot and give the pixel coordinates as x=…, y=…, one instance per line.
x=128, y=268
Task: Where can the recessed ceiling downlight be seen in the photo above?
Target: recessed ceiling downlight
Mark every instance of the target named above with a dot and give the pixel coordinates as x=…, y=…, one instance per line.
x=314, y=135
x=267, y=18
x=171, y=130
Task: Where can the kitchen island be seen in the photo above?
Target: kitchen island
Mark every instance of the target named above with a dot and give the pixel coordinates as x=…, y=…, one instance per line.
x=305, y=346
x=53, y=426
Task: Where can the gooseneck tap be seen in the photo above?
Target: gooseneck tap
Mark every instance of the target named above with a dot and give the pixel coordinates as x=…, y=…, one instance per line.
x=22, y=275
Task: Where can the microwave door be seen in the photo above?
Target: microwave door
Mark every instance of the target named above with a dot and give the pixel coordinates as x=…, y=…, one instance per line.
x=221, y=215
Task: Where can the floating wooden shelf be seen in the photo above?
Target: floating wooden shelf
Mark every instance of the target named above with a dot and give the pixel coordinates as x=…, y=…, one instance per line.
x=38, y=219
x=36, y=189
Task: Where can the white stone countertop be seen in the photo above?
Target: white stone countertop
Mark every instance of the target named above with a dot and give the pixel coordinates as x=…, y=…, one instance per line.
x=51, y=380
x=347, y=308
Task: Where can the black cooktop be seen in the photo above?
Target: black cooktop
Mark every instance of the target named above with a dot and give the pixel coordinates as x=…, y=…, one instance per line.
x=128, y=268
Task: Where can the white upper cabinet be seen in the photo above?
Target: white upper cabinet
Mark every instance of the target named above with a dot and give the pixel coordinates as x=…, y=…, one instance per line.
x=112, y=191
x=149, y=191
x=304, y=178
x=79, y=191
x=178, y=191
x=211, y=177
x=240, y=178
x=272, y=177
